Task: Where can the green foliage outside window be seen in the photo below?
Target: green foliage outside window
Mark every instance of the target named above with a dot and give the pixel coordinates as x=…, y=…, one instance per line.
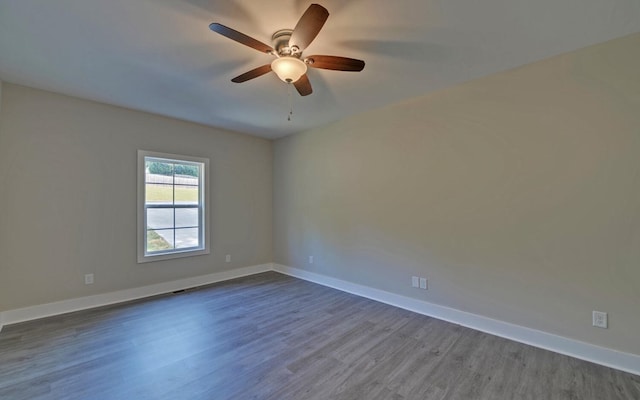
x=161, y=168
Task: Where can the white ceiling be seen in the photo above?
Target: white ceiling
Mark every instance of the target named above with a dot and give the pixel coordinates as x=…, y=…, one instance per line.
x=159, y=55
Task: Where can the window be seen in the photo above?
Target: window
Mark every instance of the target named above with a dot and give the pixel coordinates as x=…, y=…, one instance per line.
x=172, y=216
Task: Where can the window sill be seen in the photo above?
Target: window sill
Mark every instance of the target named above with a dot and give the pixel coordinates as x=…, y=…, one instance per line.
x=170, y=256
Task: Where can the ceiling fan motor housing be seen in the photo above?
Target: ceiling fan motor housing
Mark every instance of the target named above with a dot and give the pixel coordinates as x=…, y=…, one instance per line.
x=280, y=41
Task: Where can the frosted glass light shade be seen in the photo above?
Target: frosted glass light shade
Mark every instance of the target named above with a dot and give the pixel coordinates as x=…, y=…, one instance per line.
x=289, y=69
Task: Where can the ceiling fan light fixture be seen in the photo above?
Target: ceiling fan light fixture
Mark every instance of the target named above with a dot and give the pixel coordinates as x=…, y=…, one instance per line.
x=289, y=69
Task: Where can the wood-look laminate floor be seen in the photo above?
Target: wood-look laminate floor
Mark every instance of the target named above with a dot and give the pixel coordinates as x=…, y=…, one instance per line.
x=269, y=336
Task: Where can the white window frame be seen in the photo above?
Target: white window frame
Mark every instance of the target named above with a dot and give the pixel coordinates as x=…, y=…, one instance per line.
x=204, y=232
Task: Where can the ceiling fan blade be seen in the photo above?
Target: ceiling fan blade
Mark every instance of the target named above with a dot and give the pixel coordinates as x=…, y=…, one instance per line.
x=308, y=26
x=254, y=73
x=303, y=86
x=335, y=63
x=240, y=37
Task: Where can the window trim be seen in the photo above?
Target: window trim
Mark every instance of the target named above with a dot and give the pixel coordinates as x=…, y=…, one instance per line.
x=143, y=257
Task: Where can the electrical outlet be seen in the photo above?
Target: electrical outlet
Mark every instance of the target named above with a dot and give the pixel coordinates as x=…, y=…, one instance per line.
x=228, y=258
x=599, y=319
x=310, y=259
x=423, y=283
x=88, y=279
x=415, y=281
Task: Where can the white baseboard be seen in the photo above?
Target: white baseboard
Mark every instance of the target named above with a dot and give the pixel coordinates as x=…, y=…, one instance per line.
x=600, y=355
x=83, y=303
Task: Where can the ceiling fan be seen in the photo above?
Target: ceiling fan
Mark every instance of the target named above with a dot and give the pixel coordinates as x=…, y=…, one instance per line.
x=288, y=45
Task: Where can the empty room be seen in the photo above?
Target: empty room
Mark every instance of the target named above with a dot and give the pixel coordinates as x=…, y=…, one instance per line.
x=288, y=199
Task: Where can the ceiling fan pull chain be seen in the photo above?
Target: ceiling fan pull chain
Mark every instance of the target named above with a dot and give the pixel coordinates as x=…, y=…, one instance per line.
x=290, y=101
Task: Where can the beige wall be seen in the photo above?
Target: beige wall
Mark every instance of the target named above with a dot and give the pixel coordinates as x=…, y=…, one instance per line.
x=68, y=196
x=517, y=195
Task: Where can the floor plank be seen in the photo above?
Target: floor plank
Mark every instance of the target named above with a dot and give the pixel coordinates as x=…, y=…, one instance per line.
x=270, y=336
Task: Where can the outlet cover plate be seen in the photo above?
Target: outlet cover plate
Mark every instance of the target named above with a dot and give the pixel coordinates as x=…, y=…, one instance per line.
x=600, y=319
x=415, y=281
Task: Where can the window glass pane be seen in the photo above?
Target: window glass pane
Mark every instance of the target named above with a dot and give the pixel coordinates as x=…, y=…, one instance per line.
x=158, y=193
x=161, y=239
x=158, y=171
x=187, y=237
x=188, y=171
x=186, y=217
x=159, y=218
x=186, y=194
